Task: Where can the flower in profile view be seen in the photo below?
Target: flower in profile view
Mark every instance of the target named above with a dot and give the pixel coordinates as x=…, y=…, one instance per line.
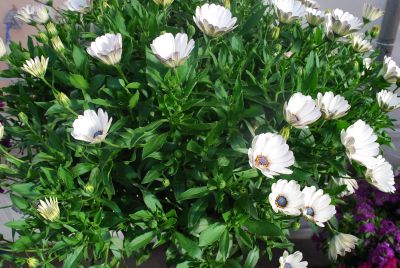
x=344, y=23
x=380, y=174
x=107, y=48
x=359, y=44
x=286, y=197
x=332, y=106
x=301, y=111
x=340, y=244
x=36, y=67
x=367, y=64
x=328, y=27
x=214, y=20
x=3, y=49
x=172, y=51
x=49, y=209
x=33, y=13
x=381, y=254
x=81, y=6
x=163, y=3
x=317, y=206
x=292, y=260
x=390, y=70
x=270, y=154
x=388, y=100
x=360, y=142
x=289, y=10
x=371, y=13
x=351, y=185
x=91, y=127
x=314, y=17
x=310, y=4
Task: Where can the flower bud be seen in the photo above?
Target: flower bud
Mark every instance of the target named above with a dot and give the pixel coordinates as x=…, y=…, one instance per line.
x=163, y=3
x=166, y=183
x=1, y=131
x=23, y=117
x=243, y=190
x=42, y=38
x=296, y=225
x=222, y=184
x=89, y=188
x=285, y=132
x=375, y=31
x=57, y=44
x=278, y=48
x=275, y=33
x=227, y=4
x=153, y=224
x=32, y=262
x=51, y=29
x=63, y=99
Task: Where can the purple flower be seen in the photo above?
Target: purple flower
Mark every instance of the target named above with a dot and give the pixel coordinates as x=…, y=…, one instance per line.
x=364, y=211
x=381, y=254
x=2, y=104
x=368, y=227
x=387, y=228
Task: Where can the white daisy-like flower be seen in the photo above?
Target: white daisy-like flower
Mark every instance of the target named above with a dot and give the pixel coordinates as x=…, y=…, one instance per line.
x=270, y=154
x=33, y=13
x=81, y=6
x=36, y=67
x=359, y=44
x=91, y=127
x=3, y=49
x=310, y=4
x=317, y=206
x=351, y=185
x=340, y=244
x=1, y=131
x=292, y=260
x=286, y=197
x=214, y=20
x=49, y=209
x=331, y=106
x=360, y=142
x=164, y=3
x=172, y=51
x=107, y=48
x=380, y=174
x=371, y=13
x=388, y=100
x=314, y=17
x=390, y=70
x=289, y=10
x=301, y=111
x=344, y=23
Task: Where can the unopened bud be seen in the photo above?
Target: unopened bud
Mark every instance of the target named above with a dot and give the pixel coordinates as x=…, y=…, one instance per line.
x=57, y=44
x=163, y=3
x=89, y=188
x=166, y=182
x=32, y=262
x=276, y=32
x=23, y=117
x=285, y=132
x=227, y=4
x=51, y=29
x=153, y=224
x=296, y=225
x=42, y=38
x=1, y=131
x=63, y=99
x=375, y=31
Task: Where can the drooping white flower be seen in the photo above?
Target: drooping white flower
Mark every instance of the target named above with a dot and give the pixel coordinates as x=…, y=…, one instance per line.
x=317, y=206
x=391, y=72
x=380, y=174
x=371, y=13
x=314, y=17
x=107, y=48
x=81, y=6
x=289, y=10
x=270, y=154
x=33, y=13
x=1, y=131
x=3, y=49
x=163, y=3
x=331, y=106
x=340, y=244
x=351, y=185
x=49, y=209
x=172, y=51
x=301, y=111
x=359, y=44
x=388, y=100
x=286, y=197
x=344, y=23
x=91, y=127
x=36, y=67
x=292, y=260
x=360, y=142
x=214, y=20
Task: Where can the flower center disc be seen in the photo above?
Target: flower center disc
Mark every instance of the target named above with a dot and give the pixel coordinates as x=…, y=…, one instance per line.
x=310, y=211
x=262, y=161
x=97, y=133
x=281, y=201
x=287, y=265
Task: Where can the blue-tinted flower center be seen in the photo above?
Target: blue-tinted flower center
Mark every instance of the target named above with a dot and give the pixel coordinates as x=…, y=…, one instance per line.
x=281, y=201
x=262, y=161
x=287, y=265
x=310, y=211
x=97, y=133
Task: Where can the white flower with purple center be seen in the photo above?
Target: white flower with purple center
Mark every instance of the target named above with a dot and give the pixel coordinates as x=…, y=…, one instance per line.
x=91, y=127
x=286, y=197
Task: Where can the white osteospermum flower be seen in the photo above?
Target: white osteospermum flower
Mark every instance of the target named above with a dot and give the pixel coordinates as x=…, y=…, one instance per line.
x=172, y=51
x=314, y=17
x=388, y=101
x=91, y=127
x=340, y=244
x=107, y=48
x=351, y=185
x=344, y=23
x=360, y=142
x=371, y=13
x=49, y=209
x=301, y=111
x=33, y=14
x=380, y=174
x=214, y=20
x=36, y=67
x=286, y=197
x=289, y=10
x=292, y=260
x=359, y=44
x=310, y=4
x=81, y=6
x=391, y=72
x=317, y=206
x=331, y=106
x=270, y=154
x=3, y=49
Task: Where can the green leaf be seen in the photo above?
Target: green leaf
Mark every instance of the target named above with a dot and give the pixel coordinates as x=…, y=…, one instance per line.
x=211, y=234
x=141, y=241
x=196, y=211
x=25, y=189
x=133, y=101
x=17, y=225
x=225, y=245
x=82, y=168
x=152, y=175
x=151, y=201
x=262, y=227
x=78, y=81
x=252, y=258
x=74, y=258
x=19, y=202
x=154, y=144
x=253, y=20
x=65, y=176
x=193, y=193
x=188, y=245
x=79, y=56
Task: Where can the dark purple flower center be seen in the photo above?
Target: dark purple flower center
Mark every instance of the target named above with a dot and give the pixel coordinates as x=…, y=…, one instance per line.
x=262, y=161
x=287, y=265
x=310, y=211
x=97, y=133
x=281, y=201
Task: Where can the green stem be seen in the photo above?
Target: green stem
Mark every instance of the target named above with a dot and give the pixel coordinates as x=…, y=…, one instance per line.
x=112, y=144
x=119, y=69
x=4, y=151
